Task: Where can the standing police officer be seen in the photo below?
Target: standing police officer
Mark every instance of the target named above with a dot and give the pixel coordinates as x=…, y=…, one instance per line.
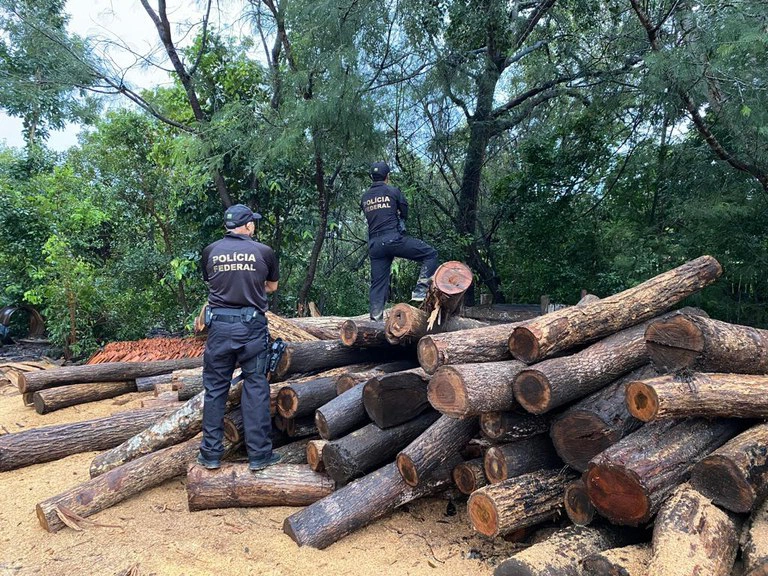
x=240, y=272
x=386, y=210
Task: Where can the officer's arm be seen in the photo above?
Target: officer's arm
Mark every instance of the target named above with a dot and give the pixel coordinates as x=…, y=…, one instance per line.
x=270, y=286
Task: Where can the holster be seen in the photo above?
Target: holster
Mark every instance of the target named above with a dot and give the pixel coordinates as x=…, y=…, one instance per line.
x=207, y=315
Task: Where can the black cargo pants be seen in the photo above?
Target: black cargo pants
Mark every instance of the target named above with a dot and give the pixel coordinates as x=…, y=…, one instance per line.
x=230, y=343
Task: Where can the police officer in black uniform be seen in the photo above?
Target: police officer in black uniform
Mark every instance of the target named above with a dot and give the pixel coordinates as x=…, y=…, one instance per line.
x=240, y=272
x=386, y=210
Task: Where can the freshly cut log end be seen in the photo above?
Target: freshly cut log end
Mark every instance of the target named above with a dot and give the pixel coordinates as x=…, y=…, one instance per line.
x=287, y=402
x=532, y=391
x=400, y=321
x=720, y=480
x=580, y=437
x=495, y=465
x=315, y=455
x=430, y=356
x=447, y=392
x=407, y=469
x=483, y=514
x=523, y=345
x=578, y=506
x=322, y=425
x=673, y=343
x=348, y=332
x=469, y=476
x=453, y=278
x=642, y=401
x=618, y=495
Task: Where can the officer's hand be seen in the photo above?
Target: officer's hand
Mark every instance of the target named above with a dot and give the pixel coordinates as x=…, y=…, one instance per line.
x=200, y=327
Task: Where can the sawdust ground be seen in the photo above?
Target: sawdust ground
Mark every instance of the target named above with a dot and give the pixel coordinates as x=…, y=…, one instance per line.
x=158, y=535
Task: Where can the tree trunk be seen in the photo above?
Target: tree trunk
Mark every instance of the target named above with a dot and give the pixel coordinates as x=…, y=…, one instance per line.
x=469, y=476
x=364, y=450
x=693, y=536
x=326, y=327
x=502, y=313
x=569, y=327
x=350, y=379
x=518, y=502
x=315, y=455
x=596, y=422
x=628, y=481
x=392, y=399
x=341, y=415
x=699, y=394
x=363, y=333
x=735, y=476
x=303, y=399
x=442, y=439
x=52, y=399
x=49, y=443
x=630, y=560
x=464, y=390
x=510, y=426
x=105, y=372
x=406, y=324
x=359, y=503
x=446, y=291
x=487, y=344
x=306, y=357
x=290, y=330
x=577, y=504
x=755, y=546
x=517, y=458
x=235, y=486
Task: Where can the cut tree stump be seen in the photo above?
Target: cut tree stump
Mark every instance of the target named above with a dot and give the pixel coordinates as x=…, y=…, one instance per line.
x=469, y=476
x=754, y=548
x=735, y=476
x=629, y=560
x=563, y=329
x=395, y=398
x=517, y=458
x=510, y=426
x=52, y=399
x=693, y=536
x=235, y=486
x=577, y=504
x=303, y=399
x=628, y=481
x=342, y=414
x=487, y=344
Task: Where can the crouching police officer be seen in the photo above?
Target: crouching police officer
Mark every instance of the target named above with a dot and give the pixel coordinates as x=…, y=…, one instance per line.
x=240, y=272
x=386, y=210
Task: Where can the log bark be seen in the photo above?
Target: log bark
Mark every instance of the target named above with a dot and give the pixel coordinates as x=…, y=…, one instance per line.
x=189, y=390
x=577, y=504
x=342, y=414
x=518, y=502
x=755, y=546
x=147, y=383
x=315, y=455
x=359, y=503
x=106, y=372
x=469, y=476
x=510, y=426
x=569, y=327
x=596, y=422
x=49, y=443
x=699, y=394
x=698, y=343
x=289, y=329
x=307, y=357
x=165, y=399
x=487, y=344
x=301, y=427
x=392, y=399
x=561, y=554
x=302, y=400
x=517, y=458
x=628, y=481
x=629, y=560
x=449, y=283
x=350, y=379
x=52, y=399
x=234, y=485
x=693, y=536
x=463, y=390
x=443, y=438
x=735, y=476
x=364, y=450
x=503, y=313
x=363, y=333
x=326, y=327
x=234, y=431
x=406, y=324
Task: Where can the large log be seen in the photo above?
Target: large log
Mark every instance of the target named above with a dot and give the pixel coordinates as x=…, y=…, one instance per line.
x=628, y=481
x=365, y=449
x=303, y=399
x=510, y=426
x=755, y=545
x=351, y=378
x=391, y=399
x=308, y=357
x=561, y=554
x=629, y=560
x=577, y=504
x=406, y=324
x=462, y=390
x=234, y=485
x=735, y=476
x=442, y=439
x=518, y=502
x=106, y=372
x=52, y=399
x=469, y=476
x=698, y=343
x=517, y=458
x=326, y=327
x=147, y=383
x=563, y=329
x=693, y=536
x=449, y=283
x=487, y=344
x=502, y=313
x=363, y=333
x=49, y=443
x=699, y=394
x=359, y=503
x=591, y=425
x=341, y=415
x=557, y=381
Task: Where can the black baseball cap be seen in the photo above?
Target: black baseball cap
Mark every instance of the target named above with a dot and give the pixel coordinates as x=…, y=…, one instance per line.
x=239, y=215
x=379, y=170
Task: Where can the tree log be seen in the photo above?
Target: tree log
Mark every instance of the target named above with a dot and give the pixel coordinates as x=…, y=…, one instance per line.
x=487, y=344
x=518, y=502
x=577, y=504
x=442, y=439
x=289, y=329
x=189, y=390
x=307, y=357
x=49, y=443
x=502, y=313
x=363, y=333
x=463, y=390
x=755, y=546
x=315, y=455
x=106, y=372
x=569, y=327
x=521, y=457
x=300, y=427
x=693, y=536
x=510, y=426
x=699, y=394
x=359, y=503
x=561, y=554
x=350, y=379
x=629, y=560
x=52, y=399
x=300, y=400
x=735, y=476
x=326, y=327
x=596, y=422
x=342, y=414
x=406, y=324
x=469, y=476
x=147, y=383
x=235, y=486
x=364, y=450
x=392, y=399
x=449, y=283
x=628, y=481
x=233, y=426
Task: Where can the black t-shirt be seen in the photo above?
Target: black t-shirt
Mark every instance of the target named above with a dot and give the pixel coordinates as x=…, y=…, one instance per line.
x=235, y=269
x=383, y=205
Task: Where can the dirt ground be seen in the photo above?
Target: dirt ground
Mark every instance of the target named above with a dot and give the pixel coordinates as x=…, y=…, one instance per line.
x=157, y=535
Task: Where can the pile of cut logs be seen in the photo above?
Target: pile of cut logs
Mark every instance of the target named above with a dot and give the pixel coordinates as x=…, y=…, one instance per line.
x=598, y=420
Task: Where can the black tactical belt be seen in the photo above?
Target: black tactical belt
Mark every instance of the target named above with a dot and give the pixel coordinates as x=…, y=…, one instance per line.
x=233, y=315
x=390, y=232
